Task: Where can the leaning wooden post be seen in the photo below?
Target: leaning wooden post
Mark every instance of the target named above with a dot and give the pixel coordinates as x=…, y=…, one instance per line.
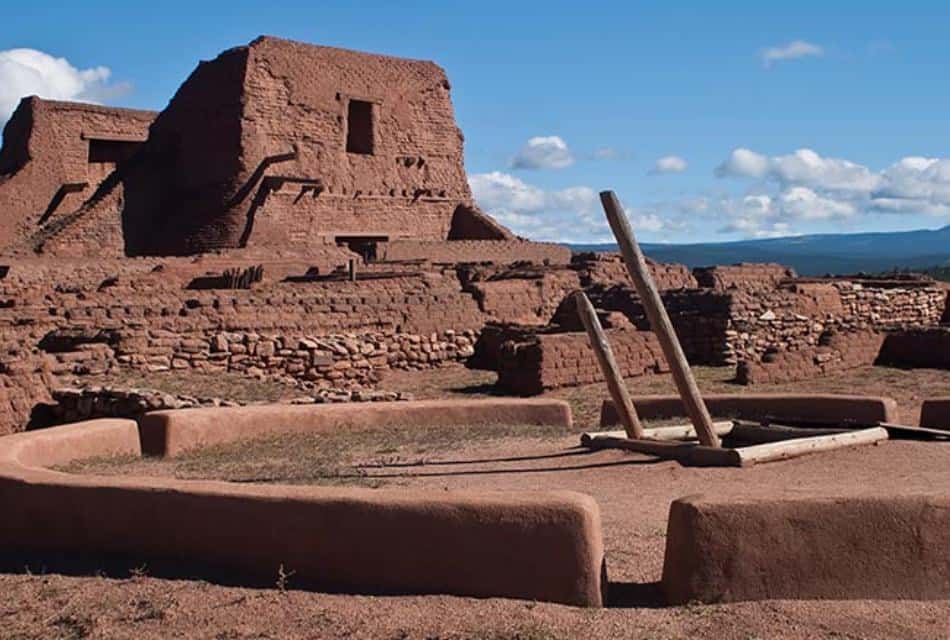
x=659, y=320
x=608, y=364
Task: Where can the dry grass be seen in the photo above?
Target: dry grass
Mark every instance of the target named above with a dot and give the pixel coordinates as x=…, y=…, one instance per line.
x=339, y=458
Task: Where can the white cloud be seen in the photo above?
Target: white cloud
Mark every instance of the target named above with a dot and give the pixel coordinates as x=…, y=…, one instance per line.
x=801, y=203
x=837, y=188
x=25, y=72
x=791, y=51
x=543, y=152
x=568, y=215
x=743, y=163
x=669, y=164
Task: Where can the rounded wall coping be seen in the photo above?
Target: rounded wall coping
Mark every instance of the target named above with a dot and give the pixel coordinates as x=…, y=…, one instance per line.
x=865, y=546
x=935, y=413
x=544, y=545
x=804, y=406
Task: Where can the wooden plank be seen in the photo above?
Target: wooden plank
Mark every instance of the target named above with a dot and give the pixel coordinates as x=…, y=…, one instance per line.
x=802, y=446
x=608, y=365
x=659, y=320
x=677, y=432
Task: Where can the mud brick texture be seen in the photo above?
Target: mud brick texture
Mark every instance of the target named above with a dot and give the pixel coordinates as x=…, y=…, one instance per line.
x=566, y=359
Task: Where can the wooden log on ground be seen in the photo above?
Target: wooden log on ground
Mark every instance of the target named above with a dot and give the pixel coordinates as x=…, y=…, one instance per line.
x=608, y=365
x=678, y=432
x=659, y=320
x=802, y=446
x=699, y=455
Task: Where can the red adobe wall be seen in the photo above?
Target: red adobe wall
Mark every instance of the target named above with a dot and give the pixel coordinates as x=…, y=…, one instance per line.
x=549, y=361
x=545, y=546
x=252, y=151
x=872, y=547
x=55, y=156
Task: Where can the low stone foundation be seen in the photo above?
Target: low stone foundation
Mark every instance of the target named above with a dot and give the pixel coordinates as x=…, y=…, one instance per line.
x=87, y=403
x=836, y=352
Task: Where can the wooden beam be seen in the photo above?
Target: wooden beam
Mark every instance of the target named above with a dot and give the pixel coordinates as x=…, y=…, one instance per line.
x=608, y=365
x=801, y=446
x=679, y=432
x=659, y=320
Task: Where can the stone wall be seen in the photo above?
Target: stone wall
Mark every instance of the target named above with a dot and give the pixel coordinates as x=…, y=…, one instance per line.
x=550, y=361
x=719, y=327
x=607, y=269
x=834, y=352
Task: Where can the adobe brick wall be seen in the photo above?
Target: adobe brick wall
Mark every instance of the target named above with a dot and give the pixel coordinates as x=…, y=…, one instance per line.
x=53, y=160
x=743, y=275
x=607, y=269
x=550, y=361
x=272, y=169
x=87, y=317
x=499, y=252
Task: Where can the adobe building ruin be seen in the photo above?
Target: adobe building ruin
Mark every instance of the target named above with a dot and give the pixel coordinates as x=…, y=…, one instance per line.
x=56, y=155
x=277, y=145
x=336, y=180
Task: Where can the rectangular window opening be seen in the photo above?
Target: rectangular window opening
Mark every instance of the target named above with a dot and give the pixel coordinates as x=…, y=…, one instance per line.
x=359, y=127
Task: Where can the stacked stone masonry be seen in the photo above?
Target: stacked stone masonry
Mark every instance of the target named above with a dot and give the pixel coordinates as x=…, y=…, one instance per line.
x=836, y=352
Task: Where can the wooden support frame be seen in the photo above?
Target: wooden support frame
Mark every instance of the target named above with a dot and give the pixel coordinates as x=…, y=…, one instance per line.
x=608, y=364
x=772, y=443
x=659, y=319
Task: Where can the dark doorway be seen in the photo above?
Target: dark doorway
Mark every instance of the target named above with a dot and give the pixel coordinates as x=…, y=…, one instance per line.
x=359, y=127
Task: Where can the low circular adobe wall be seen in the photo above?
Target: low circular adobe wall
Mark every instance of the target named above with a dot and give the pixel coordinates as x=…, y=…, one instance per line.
x=533, y=545
x=788, y=406
x=935, y=413
x=893, y=546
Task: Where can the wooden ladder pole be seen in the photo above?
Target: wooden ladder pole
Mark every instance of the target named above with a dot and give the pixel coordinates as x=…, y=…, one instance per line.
x=608, y=364
x=659, y=320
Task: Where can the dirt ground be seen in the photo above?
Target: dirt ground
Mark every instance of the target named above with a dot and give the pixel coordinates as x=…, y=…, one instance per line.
x=633, y=491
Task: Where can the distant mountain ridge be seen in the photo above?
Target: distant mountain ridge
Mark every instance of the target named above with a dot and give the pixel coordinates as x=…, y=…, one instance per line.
x=835, y=253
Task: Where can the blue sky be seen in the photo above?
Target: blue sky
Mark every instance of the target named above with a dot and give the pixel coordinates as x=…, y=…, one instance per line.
x=712, y=121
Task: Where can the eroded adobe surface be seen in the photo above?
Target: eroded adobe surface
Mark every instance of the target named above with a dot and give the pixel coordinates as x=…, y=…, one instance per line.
x=55, y=156
x=287, y=145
